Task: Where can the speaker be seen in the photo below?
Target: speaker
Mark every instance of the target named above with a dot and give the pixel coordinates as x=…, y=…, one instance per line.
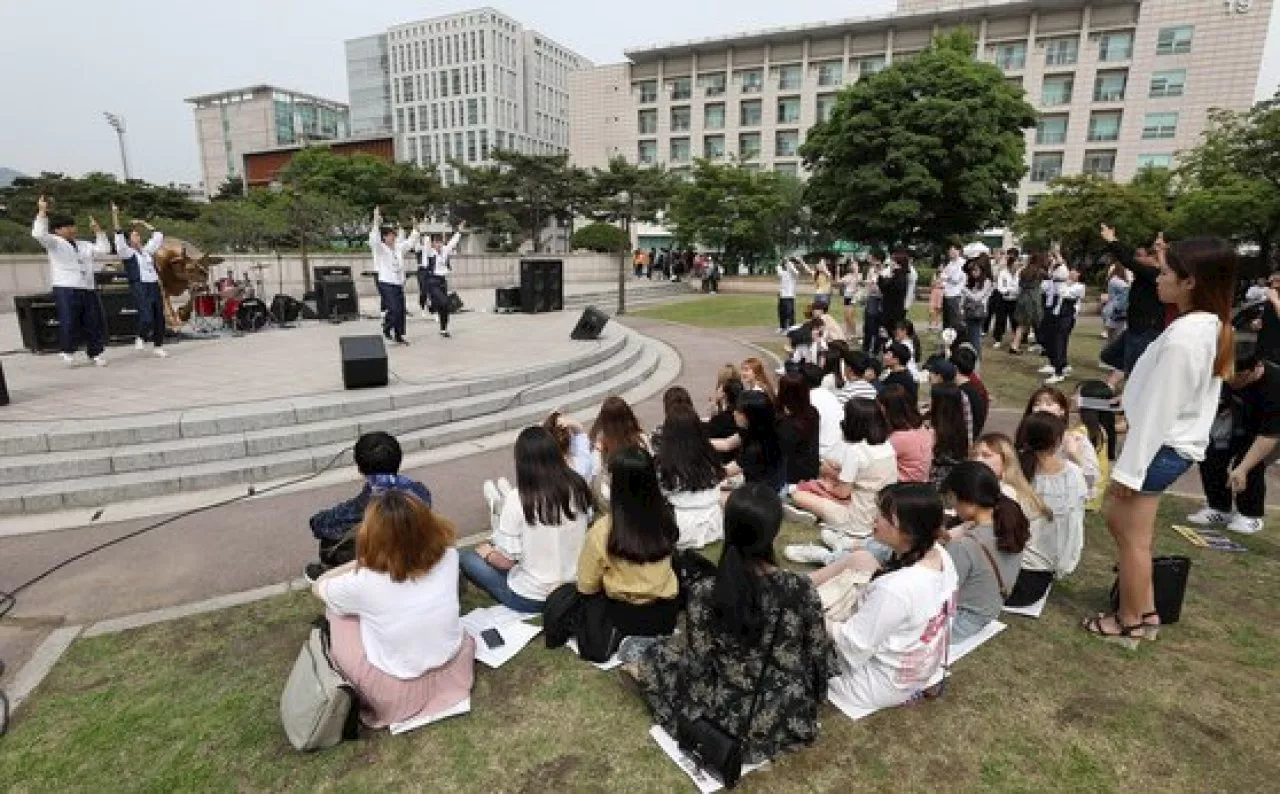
x=364, y=361
x=120, y=314
x=541, y=285
x=455, y=303
x=336, y=299
x=590, y=324
x=285, y=309
x=326, y=272
x=110, y=278
x=4, y=387
x=38, y=322
x=506, y=299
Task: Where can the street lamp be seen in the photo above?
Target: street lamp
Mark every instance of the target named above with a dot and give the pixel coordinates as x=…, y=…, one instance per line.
x=117, y=124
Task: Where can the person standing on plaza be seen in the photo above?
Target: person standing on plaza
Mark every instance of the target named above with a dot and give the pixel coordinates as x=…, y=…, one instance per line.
x=821, y=282
x=71, y=266
x=436, y=262
x=874, y=304
x=1145, y=319
x=893, y=293
x=953, y=281
x=144, y=282
x=787, y=273
x=976, y=299
x=388, y=258
x=1028, y=311
x=1115, y=302
x=1005, y=298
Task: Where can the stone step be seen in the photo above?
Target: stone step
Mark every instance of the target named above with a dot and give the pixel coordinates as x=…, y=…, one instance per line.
x=636, y=363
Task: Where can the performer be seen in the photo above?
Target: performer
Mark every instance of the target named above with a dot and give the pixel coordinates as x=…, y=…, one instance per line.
x=71, y=275
x=144, y=281
x=435, y=282
x=388, y=258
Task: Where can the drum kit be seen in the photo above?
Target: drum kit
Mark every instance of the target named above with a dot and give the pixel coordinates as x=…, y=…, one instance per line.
x=234, y=304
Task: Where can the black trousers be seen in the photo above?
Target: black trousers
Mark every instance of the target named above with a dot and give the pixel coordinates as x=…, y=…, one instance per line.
x=422, y=289
x=151, y=323
x=1030, y=588
x=438, y=295
x=871, y=341
x=953, y=315
x=1060, y=338
x=786, y=313
x=393, y=322
x=1251, y=501
x=79, y=314
x=1002, y=317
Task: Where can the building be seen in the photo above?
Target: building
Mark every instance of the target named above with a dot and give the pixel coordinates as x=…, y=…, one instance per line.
x=261, y=167
x=231, y=123
x=456, y=87
x=1117, y=84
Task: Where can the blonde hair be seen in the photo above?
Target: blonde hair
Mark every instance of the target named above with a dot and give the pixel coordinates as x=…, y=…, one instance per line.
x=1026, y=495
x=756, y=367
x=726, y=373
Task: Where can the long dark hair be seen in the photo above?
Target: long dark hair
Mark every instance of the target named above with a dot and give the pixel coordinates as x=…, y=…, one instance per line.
x=794, y=402
x=752, y=517
x=900, y=410
x=615, y=427
x=864, y=421
x=676, y=395
x=974, y=482
x=762, y=428
x=550, y=491
x=686, y=461
x=643, y=528
x=946, y=415
x=1039, y=433
x=916, y=509
x=1213, y=264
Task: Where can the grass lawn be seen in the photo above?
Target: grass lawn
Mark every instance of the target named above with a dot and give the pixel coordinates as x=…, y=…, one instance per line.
x=192, y=705
x=717, y=311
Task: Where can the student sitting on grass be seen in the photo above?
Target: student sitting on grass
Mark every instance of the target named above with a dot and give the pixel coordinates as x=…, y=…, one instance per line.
x=798, y=429
x=912, y=442
x=689, y=472
x=861, y=376
x=377, y=458
x=760, y=452
x=394, y=617
x=1076, y=446
x=616, y=427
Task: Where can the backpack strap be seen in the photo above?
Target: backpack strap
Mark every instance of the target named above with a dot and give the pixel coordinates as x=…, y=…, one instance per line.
x=1004, y=591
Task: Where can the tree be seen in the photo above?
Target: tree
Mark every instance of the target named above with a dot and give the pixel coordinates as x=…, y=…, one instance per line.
x=926, y=150
x=230, y=190
x=602, y=238
x=531, y=189
x=1071, y=213
x=363, y=181
x=625, y=193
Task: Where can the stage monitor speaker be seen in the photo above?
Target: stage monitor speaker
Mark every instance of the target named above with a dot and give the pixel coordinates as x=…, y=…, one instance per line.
x=336, y=299
x=120, y=314
x=38, y=322
x=330, y=272
x=4, y=387
x=506, y=299
x=364, y=361
x=590, y=324
x=541, y=285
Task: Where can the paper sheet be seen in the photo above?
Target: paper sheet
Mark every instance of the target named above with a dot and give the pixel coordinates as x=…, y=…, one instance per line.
x=417, y=722
x=613, y=663
x=494, y=617
x=703, y=781
x=1031, y=610
x=516, y=633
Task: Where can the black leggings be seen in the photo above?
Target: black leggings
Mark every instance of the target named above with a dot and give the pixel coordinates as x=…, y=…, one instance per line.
x=1030, y=588
x=438, y=295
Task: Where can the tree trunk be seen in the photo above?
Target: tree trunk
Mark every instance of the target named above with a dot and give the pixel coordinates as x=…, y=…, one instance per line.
x=302, y=255
x=622, y=268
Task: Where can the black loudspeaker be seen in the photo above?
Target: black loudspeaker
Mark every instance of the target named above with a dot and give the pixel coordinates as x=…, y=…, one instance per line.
x=364, y=361
x=324, y=272
x=455, y=303
x=4, y=387
x=590, y=324
x=506, y=299
x=120, y=314
x=336, y=299
x=38, y=321
x=541, y=285
x=285, y=309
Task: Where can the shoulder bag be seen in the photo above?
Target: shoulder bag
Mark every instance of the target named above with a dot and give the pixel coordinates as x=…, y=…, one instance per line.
x=986, y=552
x=318, y=708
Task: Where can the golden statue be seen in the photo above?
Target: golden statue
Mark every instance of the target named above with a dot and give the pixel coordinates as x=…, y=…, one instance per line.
x=182, y=268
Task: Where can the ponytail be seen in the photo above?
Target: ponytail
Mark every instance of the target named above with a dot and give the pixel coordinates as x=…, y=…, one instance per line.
x=736, y=597
x=1012, y=529
x=1224, y=362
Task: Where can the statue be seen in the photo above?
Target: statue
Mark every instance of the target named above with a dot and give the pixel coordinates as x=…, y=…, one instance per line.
x=182, y=268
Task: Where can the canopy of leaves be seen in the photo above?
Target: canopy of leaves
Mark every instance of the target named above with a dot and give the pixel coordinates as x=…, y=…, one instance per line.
x=531, y=190
x=745, y=213
x=362, y=182
x=601, y=237
x=1072, y=212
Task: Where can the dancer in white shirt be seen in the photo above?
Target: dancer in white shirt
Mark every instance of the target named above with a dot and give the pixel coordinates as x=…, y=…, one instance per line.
x=388, y=258
x=435, y=261
x=787, y=273
x=144, y=281
x=71, y=266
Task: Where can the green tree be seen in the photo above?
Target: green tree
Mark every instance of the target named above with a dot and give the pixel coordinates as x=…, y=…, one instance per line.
x=625, y=193
x=743, y=213
x=928, y=149
x=532, y=190
x=230, y=190
x=1075, y=206
x=603, y=238
x=363, y=181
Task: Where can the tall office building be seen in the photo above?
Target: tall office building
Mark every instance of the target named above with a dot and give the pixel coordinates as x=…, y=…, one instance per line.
x=1117, y=84
x=461, y=85
x=231, y=123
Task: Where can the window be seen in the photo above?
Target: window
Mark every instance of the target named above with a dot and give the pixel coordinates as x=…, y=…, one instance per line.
x=647, y=152
x=749, y=113
x=789, y=110
x=647, y=122
x=1160, y=126
x=1046, y=166
x=790, y=169
x=681, y=119
x=713, y=147
x=786, y=143
x=830, y=73
x=680, y=151
x=749, y=146
x=1174, y=40
x=1056, y=90
x=825, y=105
x=1032, y=201
x=1110, y=86
x=1061, y=52
x=471, y=146
x=473, y=112
x=1168, y=83
x=648, y=91
x=681, y=89
x=752, y=80
x=713, y=116
x=1051, y=130
x=1105, y=126
x=713, y=84
x=871, y=65
x=789, y=78
x=484, y=134
x=1009, y=57
x=1155, y=161
x=1100, y=163
x=1115, y=46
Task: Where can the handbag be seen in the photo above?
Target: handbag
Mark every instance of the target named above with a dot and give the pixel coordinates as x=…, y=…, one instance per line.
x=1168, y=582
x=713, y=748
x=318, y=708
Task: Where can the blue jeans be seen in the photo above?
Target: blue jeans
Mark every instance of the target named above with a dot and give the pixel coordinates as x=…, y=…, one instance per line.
x=966, y=624
x=494, y=582
x=79, y=313
x=974, y=328
x=393, y=301
x=1164, y=471
x=151, y=323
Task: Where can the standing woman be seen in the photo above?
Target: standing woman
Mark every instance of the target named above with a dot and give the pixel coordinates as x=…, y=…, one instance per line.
x=1028, y=311
x=975, y=298
x=893, y=293
x=1005, y=297
x=787, y=274
x=850, y=283
x=140, y=266
x=871, y=342
x=1171, y=402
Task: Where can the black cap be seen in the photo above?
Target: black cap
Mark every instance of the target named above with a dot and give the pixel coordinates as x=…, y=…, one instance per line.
x=943, y=369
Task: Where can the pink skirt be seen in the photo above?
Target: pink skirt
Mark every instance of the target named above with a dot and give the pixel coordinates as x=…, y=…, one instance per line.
x=385, y=699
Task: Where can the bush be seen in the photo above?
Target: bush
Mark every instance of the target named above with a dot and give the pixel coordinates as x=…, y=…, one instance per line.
x=601, y=238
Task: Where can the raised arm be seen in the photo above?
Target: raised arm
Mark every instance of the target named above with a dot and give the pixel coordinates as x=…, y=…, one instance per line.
x=40, y=227
x=101, y=245
x=454, y=240
x=374, y=237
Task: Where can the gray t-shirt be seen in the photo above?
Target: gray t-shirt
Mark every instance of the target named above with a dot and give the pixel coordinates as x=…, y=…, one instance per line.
x=979, y=592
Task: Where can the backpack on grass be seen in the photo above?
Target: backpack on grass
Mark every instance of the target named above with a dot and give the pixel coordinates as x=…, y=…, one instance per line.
x=318, y=708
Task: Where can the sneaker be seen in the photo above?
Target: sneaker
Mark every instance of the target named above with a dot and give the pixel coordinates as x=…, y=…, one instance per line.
x=808, y=554
x=1047, y=369
x=995, y=345
x=1053, y=380
x=100, y=360
x=1245, y=525
x=1209, y=516
x=139, y=344
x=386, y=334
x=400, y=340
x=160, y=352
x=795, y=514
x=1067, y=370
x=1035, y=350
x=426, y=315
x=491, y=496
x=313, y=571
x=838, y=541
x=445, y=333
x=68, y=358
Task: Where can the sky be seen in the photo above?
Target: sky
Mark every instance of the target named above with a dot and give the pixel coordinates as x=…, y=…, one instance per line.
x=141, y=58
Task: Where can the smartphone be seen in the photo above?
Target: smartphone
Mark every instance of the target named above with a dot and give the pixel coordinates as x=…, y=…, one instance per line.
x=492, y=638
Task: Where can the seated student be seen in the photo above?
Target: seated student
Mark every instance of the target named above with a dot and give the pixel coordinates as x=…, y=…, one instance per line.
x=671, y=398
x=986, y=549
x=760, y=456
x=1076, y=446
x=896, y=640
x=574, y=443
x=540, y=530
x=942, y=371
x=755, y=378
x=975, y=394
x=859, y=383
x=394, y=617
x=750, y=619
x=1057, y=540
x=904, y=332
x=912, y=442
x=998, y=452
x=689, y=472
x=616, y=427
x=896, y=357
x=950, y=432
x=798, y=430
x=722, y=426
x=833, y=367
x=1096, y=403
x=377, y=458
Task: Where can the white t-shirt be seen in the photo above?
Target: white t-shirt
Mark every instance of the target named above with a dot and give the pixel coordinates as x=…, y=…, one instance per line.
x=830, y=414
x=409, y=627
x=1056, y=543
x=896, y=640
x=699, y=516
x=867, y=468
x=787, y=280
x=547, y=557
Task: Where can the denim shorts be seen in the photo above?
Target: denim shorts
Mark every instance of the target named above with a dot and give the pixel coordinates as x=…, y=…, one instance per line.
x=1164, y=470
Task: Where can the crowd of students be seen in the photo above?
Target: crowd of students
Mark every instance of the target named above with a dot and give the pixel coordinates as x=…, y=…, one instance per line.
x=944, y=522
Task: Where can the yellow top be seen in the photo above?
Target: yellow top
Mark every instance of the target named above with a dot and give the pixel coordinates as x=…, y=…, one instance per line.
x=621, y=580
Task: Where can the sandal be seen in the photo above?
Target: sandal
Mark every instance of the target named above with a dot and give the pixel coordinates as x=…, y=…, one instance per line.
x=1150, y=625
x=1128, y=636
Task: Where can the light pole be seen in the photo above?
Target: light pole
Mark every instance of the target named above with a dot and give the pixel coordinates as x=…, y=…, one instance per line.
x=117, y=124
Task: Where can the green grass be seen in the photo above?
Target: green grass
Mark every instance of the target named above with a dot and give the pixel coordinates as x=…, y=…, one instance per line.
x=192, y=705
x=717, y=311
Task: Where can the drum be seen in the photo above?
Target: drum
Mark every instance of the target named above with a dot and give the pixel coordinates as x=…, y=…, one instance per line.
x=251, y=315
x=229, y=308
x=205, y=305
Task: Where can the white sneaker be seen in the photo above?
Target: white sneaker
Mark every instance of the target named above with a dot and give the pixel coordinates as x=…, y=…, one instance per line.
x=491, y=496
x=1245, y=525
x=68, y=358
x=139, y=344
x=1054, y=380
x=100, y=360
x=1047, y=369
x=1067, y=370
x=1209, y=516
x=808, y=554
x=160, y=352
x=798, y=516
x=838, y=541
x=995, y=345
